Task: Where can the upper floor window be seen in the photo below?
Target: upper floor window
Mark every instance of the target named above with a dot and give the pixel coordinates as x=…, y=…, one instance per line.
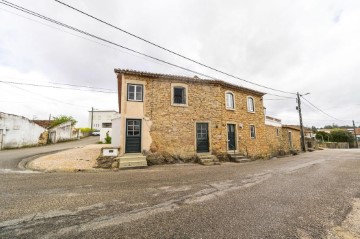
x=250, y=104
x=252, y=132
x=277, y=132
x=230, y=101
x=135, y=92
x=179, y=95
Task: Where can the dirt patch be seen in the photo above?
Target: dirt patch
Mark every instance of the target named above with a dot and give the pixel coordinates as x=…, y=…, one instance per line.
x=72, y=160
x=350, y=227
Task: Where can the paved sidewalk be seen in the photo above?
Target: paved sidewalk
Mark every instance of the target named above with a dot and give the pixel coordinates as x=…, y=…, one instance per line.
x=72, y=160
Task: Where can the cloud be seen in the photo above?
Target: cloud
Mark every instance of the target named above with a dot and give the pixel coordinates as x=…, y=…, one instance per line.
x=305, y=46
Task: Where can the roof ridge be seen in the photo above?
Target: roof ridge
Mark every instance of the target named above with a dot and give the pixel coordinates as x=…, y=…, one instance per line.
x=179, y=77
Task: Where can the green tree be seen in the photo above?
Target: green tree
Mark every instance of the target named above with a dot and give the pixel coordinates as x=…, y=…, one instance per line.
x=322, y=135
x=62, y=119
x=340, y=135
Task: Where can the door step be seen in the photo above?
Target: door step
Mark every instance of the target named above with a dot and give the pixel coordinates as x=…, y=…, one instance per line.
x=208, y=159
x=239, y=158
x=132, y=161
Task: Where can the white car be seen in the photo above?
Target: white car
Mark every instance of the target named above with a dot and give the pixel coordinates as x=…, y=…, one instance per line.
x=95, y=133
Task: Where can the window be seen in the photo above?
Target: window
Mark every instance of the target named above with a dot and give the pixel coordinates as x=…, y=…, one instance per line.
x=252, y=132
x=230, y=100
x=290, y=139
x=133, y=127
x=250, y=104
x=179, y=95
x=135, y=92
x=277, y=132
x=106, y=125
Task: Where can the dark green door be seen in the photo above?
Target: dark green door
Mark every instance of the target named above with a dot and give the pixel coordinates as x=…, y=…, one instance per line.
x=202, y=137
x=133, y=136
x=231, y=137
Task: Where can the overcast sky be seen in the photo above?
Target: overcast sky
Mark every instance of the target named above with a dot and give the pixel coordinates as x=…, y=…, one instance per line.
x=300, y=45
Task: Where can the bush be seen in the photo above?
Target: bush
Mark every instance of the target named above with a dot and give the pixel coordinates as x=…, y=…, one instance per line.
x=85, y=130
x=340, y=135
x=107, y=139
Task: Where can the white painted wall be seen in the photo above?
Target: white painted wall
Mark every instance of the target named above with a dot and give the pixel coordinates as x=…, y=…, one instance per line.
x=62, y=132
x=116, y=132
x=100, y=117
x=18, y=131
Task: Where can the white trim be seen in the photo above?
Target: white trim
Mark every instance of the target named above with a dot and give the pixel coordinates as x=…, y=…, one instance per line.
x=247, y=104
x=226, y=100
x=173, y=85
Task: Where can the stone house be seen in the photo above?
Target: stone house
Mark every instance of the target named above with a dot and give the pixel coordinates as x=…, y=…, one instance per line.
x=281, y=139
x=184, y=116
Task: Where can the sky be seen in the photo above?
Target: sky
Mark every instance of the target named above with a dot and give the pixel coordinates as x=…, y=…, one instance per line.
x=301, y=46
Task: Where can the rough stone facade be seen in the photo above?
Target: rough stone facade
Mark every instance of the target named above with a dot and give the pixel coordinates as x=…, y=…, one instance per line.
x=169, y=128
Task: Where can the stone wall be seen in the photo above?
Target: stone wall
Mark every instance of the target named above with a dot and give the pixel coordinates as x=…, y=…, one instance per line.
x=274, y=140
x=173, y=127
x=296, y=144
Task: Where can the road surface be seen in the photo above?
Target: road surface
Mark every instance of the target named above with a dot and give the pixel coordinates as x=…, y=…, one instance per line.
x=9, y=159
x=312, y=195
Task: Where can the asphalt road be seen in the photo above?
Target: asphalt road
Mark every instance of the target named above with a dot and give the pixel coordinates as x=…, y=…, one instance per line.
x=9, y=159
x=307, y=196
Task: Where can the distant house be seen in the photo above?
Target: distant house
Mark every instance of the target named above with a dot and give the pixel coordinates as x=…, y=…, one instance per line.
x=281, y=139
x=101, y=119
x=102, y=122
x=63, y=132
x=18, y=131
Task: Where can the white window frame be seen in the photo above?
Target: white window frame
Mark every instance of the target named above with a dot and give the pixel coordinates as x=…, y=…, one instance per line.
x=179, y=85
x=227, y=105
x=253, y=126
x=135, y=91
x=253, y=104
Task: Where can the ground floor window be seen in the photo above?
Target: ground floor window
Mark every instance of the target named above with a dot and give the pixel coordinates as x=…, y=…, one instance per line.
x=252, y=132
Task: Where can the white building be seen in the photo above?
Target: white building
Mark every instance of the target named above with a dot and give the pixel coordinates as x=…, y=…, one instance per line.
x=18, y=131
x=102, y=119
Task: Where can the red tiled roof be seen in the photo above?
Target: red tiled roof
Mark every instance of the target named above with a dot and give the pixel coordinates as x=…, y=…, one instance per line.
x=186, y=79
x=294, y=127
x=43, y=123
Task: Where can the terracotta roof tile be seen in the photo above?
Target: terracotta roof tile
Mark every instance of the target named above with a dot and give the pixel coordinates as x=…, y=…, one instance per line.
x=186, y=78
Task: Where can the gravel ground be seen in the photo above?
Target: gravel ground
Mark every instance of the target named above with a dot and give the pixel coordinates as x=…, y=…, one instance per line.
x=312, y=195
x=72, y=160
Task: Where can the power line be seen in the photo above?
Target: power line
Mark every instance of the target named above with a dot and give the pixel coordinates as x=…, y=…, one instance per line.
x=97, y=37
x=172, y=52
x=314, y=106
x=87, y=39
x=48, y=98
x=56, y=87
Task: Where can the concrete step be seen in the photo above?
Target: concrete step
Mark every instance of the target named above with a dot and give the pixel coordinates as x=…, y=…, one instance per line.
x=132, y=161
x=208, y=159
x=239, y=158
x=244, y=160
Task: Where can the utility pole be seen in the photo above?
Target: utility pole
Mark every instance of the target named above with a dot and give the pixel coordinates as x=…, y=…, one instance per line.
x=92, y=119
x=49, y=117
x=301, y=124
x=356, y=140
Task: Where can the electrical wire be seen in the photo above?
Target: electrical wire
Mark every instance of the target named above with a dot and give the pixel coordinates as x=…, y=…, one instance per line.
x=49, y=98
x=102, y=39
x=12, y=5
x=172, y=52
x=56, y=87
x=317, y=108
